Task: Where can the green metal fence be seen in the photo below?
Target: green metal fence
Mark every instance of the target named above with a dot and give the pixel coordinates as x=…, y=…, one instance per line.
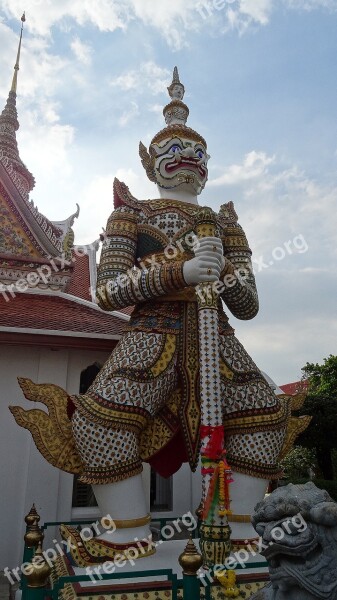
x=189, y=585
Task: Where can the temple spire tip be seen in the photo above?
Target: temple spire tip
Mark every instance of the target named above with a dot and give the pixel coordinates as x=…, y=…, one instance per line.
x=17, y=63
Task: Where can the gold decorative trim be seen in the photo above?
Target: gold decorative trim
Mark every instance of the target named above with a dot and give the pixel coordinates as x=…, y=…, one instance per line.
x=129, y=523
x=166, y=356
x=248, y=545
x=174, y=130
x=296, y=425
x=51, y=432
x=186, y=295
x=90, y=552
x=178, y=104
x=239, y=518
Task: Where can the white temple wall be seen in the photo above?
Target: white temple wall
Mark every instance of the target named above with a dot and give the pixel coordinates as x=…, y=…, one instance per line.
x=186, y=493
x=25, y=475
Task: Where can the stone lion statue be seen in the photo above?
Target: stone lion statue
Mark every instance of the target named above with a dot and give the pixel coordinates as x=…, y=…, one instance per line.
x=298, y=526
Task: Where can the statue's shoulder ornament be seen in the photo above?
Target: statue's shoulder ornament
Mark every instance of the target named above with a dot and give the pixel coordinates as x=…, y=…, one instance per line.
x=123, y=219
x=124, y=201
x=234, y=238
x=227, y=212
x=123, y=196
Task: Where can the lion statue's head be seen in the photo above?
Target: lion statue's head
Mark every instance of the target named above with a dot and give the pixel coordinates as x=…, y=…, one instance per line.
x=298, y=526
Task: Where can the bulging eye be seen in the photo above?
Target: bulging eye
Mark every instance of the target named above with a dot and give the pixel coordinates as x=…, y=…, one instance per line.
x=200, y=154
x=175, y=149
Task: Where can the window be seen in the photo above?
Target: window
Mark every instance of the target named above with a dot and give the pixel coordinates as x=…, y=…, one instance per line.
x=160, y=492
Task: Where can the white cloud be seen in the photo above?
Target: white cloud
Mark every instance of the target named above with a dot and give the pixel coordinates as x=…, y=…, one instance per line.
x=278, y=202
x=176, y=20
x=129, y=114
x=43, y=138
x=311, y=4
x=139, y=185
x=82, y=51
x=258, y=10
x=246, y=13
x=40, y=73
x=44, y=14
x=157, y=109
x=127, y=81
x=173, y=19
x=254, y=165
x=287, y=352
x=149, y=77
x=96, y=200
x=45, y=144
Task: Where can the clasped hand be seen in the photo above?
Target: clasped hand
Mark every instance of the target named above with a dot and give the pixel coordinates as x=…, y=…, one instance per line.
x=207, y=263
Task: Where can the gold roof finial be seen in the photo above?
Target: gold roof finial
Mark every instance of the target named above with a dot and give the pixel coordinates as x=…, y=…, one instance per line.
x=17, y=64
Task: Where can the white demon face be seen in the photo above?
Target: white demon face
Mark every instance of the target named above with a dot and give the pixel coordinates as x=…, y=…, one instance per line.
x=180, y=162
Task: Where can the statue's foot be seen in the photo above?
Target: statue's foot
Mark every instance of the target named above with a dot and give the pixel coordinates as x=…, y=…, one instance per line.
x=126, y=531
x=242, y=534
x=83, y=552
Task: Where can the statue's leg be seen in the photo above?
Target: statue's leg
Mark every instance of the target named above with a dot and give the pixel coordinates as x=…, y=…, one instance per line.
x=126, y=501
x=137, y=380
x=245, y=493
x=113, y=468
x=255, y=425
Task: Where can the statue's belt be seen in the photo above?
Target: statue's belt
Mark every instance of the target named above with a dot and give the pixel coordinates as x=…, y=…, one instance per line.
x=186, y=295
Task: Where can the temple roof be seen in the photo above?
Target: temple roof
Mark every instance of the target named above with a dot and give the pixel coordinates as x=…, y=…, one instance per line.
x=47, y=284
x=295, y=387
x=53, y=238
x=58, y=314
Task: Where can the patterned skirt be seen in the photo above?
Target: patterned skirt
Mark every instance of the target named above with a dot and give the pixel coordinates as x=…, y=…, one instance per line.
x=144, y=404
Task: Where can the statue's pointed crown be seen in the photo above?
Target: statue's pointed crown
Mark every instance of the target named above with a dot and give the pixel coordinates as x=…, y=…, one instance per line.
x=176, y=114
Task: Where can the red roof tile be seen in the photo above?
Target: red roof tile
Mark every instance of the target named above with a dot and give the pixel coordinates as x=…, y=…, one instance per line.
x=294, y=388
x=80, y=279
x=127, y=310
x=57, y=313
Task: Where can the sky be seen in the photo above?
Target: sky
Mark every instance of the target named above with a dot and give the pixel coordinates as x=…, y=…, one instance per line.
x=260, y=79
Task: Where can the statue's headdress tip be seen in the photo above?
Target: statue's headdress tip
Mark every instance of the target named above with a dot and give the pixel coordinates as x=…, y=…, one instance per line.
x=172, y=89
x=175, y=78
